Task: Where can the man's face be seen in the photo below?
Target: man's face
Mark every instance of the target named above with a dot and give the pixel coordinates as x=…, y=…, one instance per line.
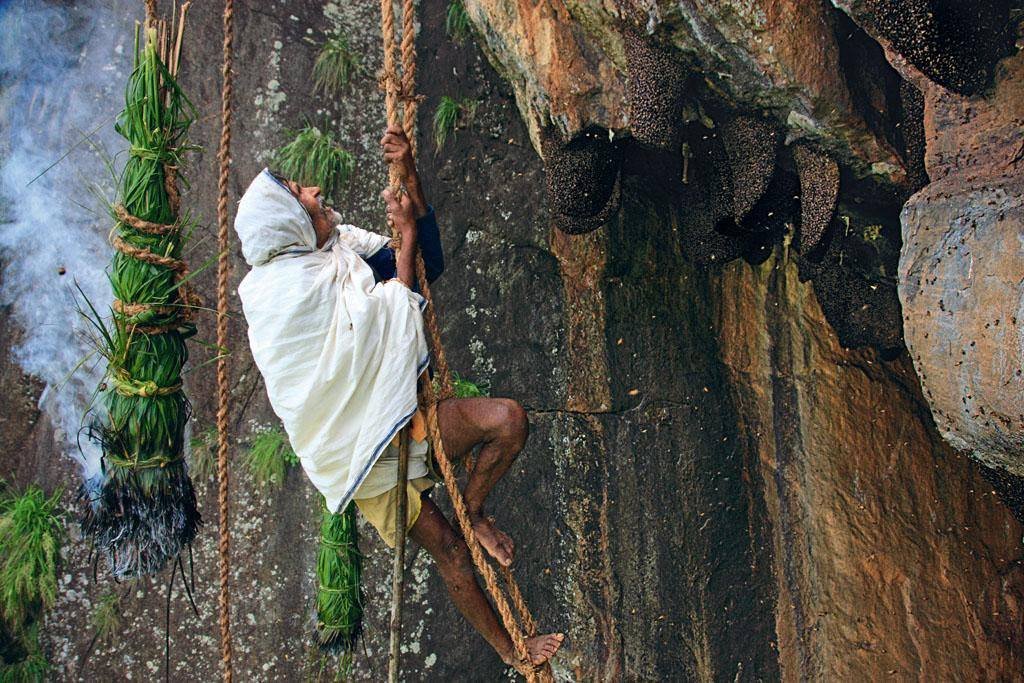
x=310, y=198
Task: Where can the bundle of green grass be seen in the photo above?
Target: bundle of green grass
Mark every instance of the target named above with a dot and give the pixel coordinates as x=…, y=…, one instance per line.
x=143, y=511
x=339, y=598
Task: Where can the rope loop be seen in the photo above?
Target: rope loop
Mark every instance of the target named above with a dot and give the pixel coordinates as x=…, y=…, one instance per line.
x=148, y=227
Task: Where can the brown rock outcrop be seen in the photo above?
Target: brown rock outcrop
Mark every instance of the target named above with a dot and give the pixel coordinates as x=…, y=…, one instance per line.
x=962, y=269
x=815, y=515
x=863, y=500
x=567, y=63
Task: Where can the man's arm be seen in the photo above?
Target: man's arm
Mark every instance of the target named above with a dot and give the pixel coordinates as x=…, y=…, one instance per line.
x=397, y=150
x=429, y=239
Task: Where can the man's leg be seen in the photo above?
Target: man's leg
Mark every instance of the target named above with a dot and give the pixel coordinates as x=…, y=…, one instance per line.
x=435, y=534
x=500, y=426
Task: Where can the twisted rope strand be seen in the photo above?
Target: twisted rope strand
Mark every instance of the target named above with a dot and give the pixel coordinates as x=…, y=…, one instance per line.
x=410, y=103
x=389, y=80
x=148, y=227
x=223, y=273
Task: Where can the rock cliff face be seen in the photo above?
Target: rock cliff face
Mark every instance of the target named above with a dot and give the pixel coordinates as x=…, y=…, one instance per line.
x=847, y=108
x=736, y=470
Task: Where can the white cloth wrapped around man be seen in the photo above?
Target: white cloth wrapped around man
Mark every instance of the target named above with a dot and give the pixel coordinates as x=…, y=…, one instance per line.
x=339, y=353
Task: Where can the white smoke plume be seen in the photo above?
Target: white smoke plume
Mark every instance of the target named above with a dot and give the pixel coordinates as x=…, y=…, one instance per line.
x=63, y=67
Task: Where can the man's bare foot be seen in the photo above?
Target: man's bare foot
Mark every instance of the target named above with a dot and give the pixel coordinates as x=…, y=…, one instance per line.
x=543, y=648
x=539, y=648
x=496, y=542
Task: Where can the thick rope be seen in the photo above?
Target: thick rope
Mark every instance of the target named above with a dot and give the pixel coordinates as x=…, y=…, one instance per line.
x=427, y=394
x=410, y=104
x=389, y=81
x=223, y=272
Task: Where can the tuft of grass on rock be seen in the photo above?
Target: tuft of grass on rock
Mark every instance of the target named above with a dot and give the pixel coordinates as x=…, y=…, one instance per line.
x=29, y=665
x=447, y=117
x=203, y=448
x=464, y=388
x=456, y=21
x=335, y=65
x=270, y=456
x=106, y=616
x=31, y=533
x=314, y=157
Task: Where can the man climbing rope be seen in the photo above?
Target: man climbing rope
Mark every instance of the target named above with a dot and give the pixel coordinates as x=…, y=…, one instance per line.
x=336, y=330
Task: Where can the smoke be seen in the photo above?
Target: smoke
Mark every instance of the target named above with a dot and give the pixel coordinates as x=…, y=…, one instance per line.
x=62, y=74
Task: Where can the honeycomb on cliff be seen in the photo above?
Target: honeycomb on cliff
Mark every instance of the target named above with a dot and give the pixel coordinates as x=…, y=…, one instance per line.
x=953, y=42
x=912, y=134
x=655, y=90
x=751, y=148
x=582, y=180
x=819, y=191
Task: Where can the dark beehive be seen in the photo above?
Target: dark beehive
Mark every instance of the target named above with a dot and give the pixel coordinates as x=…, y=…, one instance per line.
x=955, y=43
x=819, y=190
x=750, y=145
x=655, y=91
x=582, y=180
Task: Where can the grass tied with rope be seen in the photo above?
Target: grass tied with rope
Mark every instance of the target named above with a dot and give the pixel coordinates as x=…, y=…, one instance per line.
x=339, y=598
x=143, y=510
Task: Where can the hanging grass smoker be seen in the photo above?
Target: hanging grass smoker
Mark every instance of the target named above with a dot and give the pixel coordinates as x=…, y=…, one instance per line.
x=143, y=511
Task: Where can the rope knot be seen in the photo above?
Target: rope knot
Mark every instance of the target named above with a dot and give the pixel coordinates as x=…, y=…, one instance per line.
x=126, y=385
x=388, y=80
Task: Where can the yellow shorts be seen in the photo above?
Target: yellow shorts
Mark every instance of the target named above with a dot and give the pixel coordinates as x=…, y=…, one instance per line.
x=380, y=510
